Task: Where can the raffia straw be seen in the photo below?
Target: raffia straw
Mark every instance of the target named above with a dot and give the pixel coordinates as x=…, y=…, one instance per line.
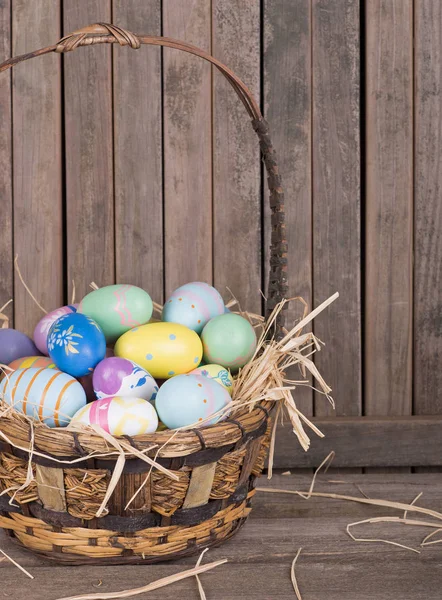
x=425, y=541
x=4, y=317
x=73, y=292
x=381, y=540
x=413, y=502
x=151, y=586
x=198, y=580
x=326, y=462
x=272, y=443
x=17, y=268
x=293, y=576
x=17, y=565
x=93, y=285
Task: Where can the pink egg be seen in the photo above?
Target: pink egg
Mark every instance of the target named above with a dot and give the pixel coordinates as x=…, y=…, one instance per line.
x=43, y=326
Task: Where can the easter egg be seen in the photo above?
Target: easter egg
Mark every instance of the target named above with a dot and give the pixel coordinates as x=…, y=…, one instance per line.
x=119, y=416
x=229, y=340
x=218, y=374
x=122, y=377
x=76, y=344
x=162, y=349
x=43, y=326
x=189, y=399
x=31, y=361
x=117, y=308
x=193, y=305
x=48, y=395
x=15, y=344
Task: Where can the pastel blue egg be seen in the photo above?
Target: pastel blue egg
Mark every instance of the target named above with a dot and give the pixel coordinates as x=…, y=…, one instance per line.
x=193, y=305
x=48, y=395
x=76, y=344
x=189, y=399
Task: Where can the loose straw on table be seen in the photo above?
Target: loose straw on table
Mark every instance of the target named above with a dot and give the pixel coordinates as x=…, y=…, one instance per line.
x=151, y=586
x=16, y=564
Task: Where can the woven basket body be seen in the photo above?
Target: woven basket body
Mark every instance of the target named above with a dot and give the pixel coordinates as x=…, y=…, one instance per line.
x=54, y=512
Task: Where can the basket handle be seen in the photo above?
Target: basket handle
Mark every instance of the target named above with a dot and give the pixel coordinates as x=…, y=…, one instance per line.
x=104, y=33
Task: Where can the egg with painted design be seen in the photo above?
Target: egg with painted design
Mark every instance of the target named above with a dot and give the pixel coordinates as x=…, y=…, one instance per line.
x=117, y=308
x=162, y=349
x=118, y=415
x=229, y=340
x=190, y=399
x=47, y=395
x=76, y=344
x=193, y=305
x=28, y=362
x=121, y=377
x=43, y=326
x=218, y=374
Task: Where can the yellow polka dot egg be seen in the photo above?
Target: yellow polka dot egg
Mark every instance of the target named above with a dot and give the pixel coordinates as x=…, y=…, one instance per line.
x=162, y=349
x=119, y=415
x=189, y=400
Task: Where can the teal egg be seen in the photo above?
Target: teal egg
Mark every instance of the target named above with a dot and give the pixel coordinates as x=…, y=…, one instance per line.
x=189, y=399
x=193, y=305
x=228, y=340
x=117, y=308
x=48, y=395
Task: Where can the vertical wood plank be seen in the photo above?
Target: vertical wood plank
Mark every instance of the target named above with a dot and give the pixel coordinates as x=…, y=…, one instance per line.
x=37, y=162
x=138, y=151
x=428, y=208
x=187, y=146
x=287, y=107
x=389, y=207
x=237, y=170
x=6, y=243
x=89, y=170
x=336, y=199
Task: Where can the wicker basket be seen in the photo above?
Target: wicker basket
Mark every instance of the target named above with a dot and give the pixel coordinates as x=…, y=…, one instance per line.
x=54, y=515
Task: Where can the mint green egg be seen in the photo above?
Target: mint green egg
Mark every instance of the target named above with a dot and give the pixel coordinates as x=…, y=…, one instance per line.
x=117, y=308
x=228, y=340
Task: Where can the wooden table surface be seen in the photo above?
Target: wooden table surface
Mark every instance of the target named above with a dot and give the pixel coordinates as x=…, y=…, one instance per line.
x=330, y=567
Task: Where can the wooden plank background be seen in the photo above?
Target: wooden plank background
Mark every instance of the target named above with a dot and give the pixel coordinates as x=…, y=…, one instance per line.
x=141, y=166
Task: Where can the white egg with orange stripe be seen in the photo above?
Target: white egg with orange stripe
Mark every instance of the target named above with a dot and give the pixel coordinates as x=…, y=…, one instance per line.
x=49, y=396
x=119, y=415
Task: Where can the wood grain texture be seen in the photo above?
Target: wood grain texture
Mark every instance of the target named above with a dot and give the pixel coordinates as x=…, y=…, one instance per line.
x=236, y=176
x=89, y=169
x=389, y=207
x=6, y=239
x=187, y=147
x=260, y=556
x=287, y=107
x=138, y=151
x=37, y=162
x=428, y=209
x=365, y=442
x=336, y=199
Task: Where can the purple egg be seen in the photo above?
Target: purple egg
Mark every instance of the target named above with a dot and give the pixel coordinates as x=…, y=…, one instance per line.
x=15, y=344
x=121, y=377
x=44, y=325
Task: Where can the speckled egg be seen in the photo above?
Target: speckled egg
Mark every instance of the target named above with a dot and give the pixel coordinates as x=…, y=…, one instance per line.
x=44, y=325
x=30, y=361
x=15, y=344
x=76, y=344
x=229, y=340
x=218, y=374
x=119, y=416
x=189, y=399
x=117, y=308
x=162, y=349
x=121, y=377
x=193, y=305
x=48, y=395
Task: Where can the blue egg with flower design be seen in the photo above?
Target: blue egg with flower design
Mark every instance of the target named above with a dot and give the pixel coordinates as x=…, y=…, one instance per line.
x=76, y=343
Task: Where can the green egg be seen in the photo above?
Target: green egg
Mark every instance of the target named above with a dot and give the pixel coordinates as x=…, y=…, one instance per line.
x=117, y=308
x=228, y=340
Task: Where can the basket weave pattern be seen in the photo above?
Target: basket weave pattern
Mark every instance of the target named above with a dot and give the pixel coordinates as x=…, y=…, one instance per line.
x=149, y=516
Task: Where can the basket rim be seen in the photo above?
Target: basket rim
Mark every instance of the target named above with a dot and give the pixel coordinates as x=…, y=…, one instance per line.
x=61, y=444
